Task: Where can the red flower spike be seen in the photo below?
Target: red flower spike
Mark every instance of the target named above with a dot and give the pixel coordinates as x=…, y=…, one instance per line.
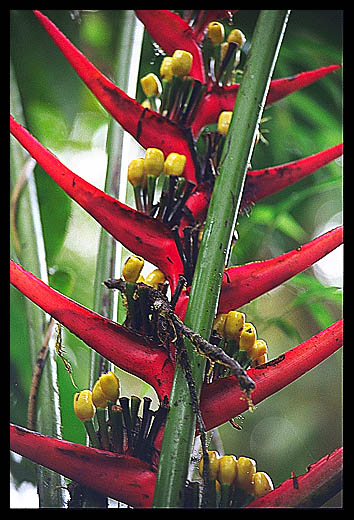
x=242, y=284
x=262, y=183
x=126, y=349
x=223, y=398
x=139, y=233
x=322, y=480
x=169, y=31
x=219, y=98
x=149, y=128
x=124, y=478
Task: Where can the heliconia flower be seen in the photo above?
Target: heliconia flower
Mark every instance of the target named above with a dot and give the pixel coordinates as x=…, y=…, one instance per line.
x=128, y=350
x=307, y=490
x=149, y=128
x=223, y=399
x=133, y=353
x=122, y=477
x=139, y=233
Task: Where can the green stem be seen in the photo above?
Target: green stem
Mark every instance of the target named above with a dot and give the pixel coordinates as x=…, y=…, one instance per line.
x=33, y=257
x=108, y=250
x=215, y=247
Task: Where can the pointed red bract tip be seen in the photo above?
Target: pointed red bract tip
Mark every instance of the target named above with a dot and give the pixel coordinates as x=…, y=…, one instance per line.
x=322, y=480
x=124, y=478
x=263, y=183
x=242, y=284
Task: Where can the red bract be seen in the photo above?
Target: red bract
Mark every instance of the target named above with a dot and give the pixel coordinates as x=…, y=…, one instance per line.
x=242, y=284
x=126, y=349
x=262, y=183
x=139, y=233
x=118, y=476
x=173, y=33
x=218, y=99
x=322, y=480
x=223, y=398
x=149, y=128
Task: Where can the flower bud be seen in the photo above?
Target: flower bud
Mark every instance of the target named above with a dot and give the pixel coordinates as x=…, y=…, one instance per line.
x=247, y=337
x=166, y=71
x=246, y=469
x=216, y=33
x=153, y=162
x=213, y=465
x=174, y=164
x=262, y=484
x=224, y=122
x=132, y=268
x=83, y=405
x=258, y=349
x=237, y=36
x=110, y=386
x=234, y=324
x=151, y=85
x=227, y=469
x=136, y=175
x=154, y=278
x=98, y=397
x=182, y=63
x=219, y=324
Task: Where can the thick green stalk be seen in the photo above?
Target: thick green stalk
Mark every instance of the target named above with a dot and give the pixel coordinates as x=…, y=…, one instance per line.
x=109, y=252
x=215, y=248
x=28, y=248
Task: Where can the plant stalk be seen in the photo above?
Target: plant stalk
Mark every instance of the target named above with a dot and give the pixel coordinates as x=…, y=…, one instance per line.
x=215, y=247
x=29, y=231
x=109, y=252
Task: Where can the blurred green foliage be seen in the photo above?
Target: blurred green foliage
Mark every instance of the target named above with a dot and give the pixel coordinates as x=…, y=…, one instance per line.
x=302, y=422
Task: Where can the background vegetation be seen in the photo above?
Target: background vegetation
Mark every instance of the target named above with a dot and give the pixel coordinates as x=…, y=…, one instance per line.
x=301, y=423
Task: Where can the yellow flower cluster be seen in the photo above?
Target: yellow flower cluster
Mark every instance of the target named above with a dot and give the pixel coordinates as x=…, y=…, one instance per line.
x=153, y=164
x=232, y=474
x=233, y=326
x=105, y=389
x=132, y=273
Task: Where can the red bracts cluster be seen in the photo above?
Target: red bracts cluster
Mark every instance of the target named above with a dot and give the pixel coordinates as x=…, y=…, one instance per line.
x=123, y=477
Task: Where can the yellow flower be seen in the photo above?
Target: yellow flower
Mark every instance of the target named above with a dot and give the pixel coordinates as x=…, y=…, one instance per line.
x=246, y=469
x=219, y=324
x=216, y=33
x=110, y=386
x=153, y=162
x=237, y=36
x=166, y=71
x=154, y=278
x=132, y=268
x=234, y=324
x=224, y=122
x=227, y=469
x=213, y=465
x=182, y=63
x=174, y=164
x=83, y=405
x=262, y=484
x=248, y=337
x=136, y=174
x=151, y=85
x=258, y=349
